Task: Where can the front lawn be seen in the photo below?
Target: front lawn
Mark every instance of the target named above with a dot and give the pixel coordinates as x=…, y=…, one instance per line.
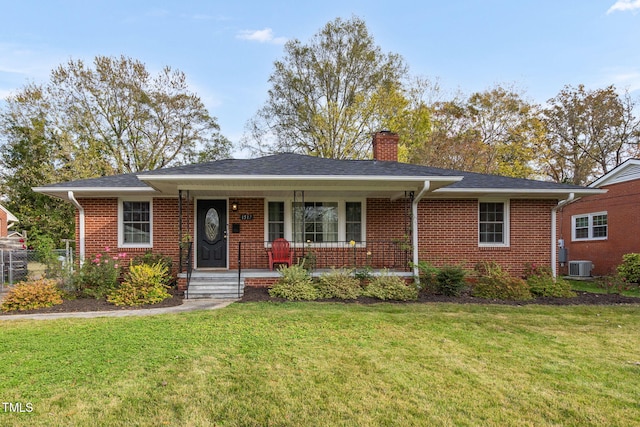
x=299, y=364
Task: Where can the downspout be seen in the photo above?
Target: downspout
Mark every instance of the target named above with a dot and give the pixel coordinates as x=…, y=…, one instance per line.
x=81, y=237
x=414, y=227
x=554, y=237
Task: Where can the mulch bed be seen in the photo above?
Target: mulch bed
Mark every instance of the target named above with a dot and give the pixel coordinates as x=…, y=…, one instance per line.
x=253, y=294
x=91, y=304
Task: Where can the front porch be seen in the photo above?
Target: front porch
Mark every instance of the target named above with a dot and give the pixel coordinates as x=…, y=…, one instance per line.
x=230, y=284
x=250, y=265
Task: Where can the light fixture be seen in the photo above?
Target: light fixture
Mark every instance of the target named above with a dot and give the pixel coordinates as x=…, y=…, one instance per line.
x=234, y=206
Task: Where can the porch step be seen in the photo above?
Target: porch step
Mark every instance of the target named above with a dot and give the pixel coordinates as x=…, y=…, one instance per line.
x=218, y=286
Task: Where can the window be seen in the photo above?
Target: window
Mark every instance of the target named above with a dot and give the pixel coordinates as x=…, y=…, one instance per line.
x=315, y=221
x=275, y=220
x=493, y=224
x=353, y=221
x=134, y=223
x=593, y=226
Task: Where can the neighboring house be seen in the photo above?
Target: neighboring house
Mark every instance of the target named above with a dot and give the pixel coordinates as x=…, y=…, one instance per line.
x=602, y=228
x=336, y=213
x=7, y=220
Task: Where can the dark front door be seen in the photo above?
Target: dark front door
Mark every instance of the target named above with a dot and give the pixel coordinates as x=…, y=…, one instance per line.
x=212, y=234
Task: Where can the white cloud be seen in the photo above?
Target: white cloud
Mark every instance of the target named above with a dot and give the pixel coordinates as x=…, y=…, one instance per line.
x=262, y=36
x=624, y=6
x=628, y=80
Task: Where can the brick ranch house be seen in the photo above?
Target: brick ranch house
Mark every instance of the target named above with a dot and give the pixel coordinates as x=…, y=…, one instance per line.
x=598, y=230
x=378, y=213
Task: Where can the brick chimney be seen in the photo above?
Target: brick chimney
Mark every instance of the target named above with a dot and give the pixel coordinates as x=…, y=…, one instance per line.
x=385, y=146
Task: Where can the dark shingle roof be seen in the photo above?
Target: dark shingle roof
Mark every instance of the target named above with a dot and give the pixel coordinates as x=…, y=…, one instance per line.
x=289, y=164
x=129, y=180
x=300, y=165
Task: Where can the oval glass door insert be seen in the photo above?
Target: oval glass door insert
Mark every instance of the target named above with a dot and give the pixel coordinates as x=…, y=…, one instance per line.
x=212, y=224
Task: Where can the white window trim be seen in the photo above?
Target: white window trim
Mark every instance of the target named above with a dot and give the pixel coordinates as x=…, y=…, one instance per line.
x=506, y=228
x=121, y=243
x=342, y=218
x=590, y=227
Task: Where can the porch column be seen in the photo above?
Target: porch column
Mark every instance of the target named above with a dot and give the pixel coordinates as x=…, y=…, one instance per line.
x=414, y=227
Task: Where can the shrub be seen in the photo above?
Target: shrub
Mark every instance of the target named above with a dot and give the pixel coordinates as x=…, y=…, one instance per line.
x=364, y=274
x=428, y=277
x=629, y=270
x=390, y=287
x=151, y=258
x=55, y=269
x=143, y=284
x=494, y=283
x=99, y=275
x=295, y=284
x=31, y=295
x=542, y=283
x=613, y=284
x=339, y=284
x=450, y=281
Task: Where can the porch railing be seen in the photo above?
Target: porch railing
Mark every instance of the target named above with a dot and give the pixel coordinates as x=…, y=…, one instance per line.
x=186, y=262
x=375, y=254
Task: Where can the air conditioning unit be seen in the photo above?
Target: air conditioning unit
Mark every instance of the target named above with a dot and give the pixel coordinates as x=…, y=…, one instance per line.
x=580, y=268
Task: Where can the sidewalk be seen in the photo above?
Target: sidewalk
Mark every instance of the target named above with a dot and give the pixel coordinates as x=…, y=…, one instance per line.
x=187, y=305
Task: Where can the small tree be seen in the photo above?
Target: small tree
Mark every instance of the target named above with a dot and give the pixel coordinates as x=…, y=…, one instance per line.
x=325, y=96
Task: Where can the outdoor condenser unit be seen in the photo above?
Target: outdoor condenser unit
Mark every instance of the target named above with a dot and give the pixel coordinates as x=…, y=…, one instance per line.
x=580, y=268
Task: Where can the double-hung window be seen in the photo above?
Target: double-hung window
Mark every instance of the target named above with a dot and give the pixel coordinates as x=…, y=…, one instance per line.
x=493, y=223
x=592, y=226
x=135, y=227
x=275, y=220
x=316, y=221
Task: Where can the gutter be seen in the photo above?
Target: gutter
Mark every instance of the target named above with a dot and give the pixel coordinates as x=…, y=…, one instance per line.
x=554, y=236
x=81, y=221
x=414, y=227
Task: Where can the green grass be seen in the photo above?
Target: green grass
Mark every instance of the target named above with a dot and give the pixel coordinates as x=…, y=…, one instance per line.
x=317, y=364
x=594, y=287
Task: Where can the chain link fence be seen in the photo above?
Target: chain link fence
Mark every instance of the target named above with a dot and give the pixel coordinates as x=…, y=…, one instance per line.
x=17, y=265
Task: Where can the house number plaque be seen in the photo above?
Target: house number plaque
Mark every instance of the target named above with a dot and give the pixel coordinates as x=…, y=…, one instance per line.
x=246, y=217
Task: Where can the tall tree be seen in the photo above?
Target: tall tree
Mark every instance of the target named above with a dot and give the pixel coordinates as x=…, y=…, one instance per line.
x=406, y=109
x=324, y=96
x=495, y=131
x=509, y=130
x=589, y=132
x=85, y=122
x=135, y=121
x=28, y=159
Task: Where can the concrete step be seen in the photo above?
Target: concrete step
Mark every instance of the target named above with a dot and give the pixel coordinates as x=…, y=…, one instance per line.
x=221, y=289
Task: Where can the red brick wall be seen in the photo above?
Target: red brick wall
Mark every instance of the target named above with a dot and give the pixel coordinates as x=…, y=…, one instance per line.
x=250, y=230
x=622, y=204
x=101, y=227
x=448, y=229
x=387, y=220
x=448, y=234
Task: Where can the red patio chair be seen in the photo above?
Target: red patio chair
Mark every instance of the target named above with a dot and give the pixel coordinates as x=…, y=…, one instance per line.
x=280, y=253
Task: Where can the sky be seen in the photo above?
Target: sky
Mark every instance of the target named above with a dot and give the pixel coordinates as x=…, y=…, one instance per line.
x=227, y=48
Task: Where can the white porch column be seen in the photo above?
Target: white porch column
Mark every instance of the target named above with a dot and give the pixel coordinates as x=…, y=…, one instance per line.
x=414, y=227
